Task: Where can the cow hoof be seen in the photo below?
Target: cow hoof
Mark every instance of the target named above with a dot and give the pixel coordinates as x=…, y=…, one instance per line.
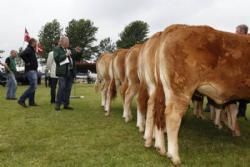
x=169, y=156
x=219, y=127
x=175, y=161
x=236, y=134
x=162, y=152
x=107, y=114
x=141, y=130
x=202, y=117
x=148, y=143
x=103, y=109
x=128, y=119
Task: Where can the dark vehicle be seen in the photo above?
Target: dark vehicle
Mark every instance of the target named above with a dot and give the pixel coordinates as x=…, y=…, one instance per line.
x=86, y=77
x=86, y=72
x=22, y=80
x=3, y=79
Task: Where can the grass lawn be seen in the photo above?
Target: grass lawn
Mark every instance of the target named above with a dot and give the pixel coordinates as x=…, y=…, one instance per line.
x=39, y=136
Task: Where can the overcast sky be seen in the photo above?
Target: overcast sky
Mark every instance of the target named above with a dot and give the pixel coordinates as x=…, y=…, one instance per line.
x=112, y=15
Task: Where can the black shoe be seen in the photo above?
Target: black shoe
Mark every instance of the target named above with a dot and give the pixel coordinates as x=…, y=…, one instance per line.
x=57, y=108
x=68, y=108
x=22, y=104
x=34, y=105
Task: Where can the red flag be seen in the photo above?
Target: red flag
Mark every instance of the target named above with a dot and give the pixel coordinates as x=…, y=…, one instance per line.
x=26, y=36
x=39, y=48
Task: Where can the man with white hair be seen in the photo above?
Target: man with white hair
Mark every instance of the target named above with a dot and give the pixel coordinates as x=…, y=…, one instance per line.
x=10, y=67
x=65, y=70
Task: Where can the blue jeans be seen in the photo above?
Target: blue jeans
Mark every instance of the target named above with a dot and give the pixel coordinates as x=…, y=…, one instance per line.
x=30, y=92
x=64, y=90
x=12, y=85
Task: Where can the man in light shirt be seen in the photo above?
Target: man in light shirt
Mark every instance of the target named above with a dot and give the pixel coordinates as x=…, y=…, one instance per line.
x=51, y=66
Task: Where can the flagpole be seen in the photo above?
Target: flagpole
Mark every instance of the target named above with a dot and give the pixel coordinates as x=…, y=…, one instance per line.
x=24, y=36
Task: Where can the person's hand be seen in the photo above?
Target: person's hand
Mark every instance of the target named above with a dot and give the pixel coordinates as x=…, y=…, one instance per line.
x=3, y=64
x=68, y=53
x=78, y=49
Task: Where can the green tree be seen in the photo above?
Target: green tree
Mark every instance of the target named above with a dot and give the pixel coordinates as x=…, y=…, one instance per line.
x=135, y=32
x=82, y=33
x=49, y=33
x=106, y=45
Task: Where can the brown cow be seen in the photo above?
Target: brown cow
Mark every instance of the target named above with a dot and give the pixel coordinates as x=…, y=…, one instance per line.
x=131, y=80
x=103, y=78
x=200, y=58
x=117, y=75
x=148, y=75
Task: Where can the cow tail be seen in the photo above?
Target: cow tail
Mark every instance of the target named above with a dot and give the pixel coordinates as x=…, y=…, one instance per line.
x=124, y=87
x=113, y=92
x=143, y=98
x=159, y=107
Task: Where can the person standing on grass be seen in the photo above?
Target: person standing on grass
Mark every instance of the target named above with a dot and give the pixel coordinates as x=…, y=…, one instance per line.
x=30, y=60
x=243, y=30
x=66, y=71
x=10, y=66
x=51, y=66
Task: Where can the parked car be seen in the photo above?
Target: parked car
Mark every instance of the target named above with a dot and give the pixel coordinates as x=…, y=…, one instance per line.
x=3, y=78
x=22, y=80
x=88, y=77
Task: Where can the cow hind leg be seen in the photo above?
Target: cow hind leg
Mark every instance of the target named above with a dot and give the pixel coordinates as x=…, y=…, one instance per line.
x=160, y=141
x=200, y=110
x=104, y=94
x=130, y=93
x=142, y=100
x=111, y=94
x=103, y=98
x=123, y=91
x=148, y=135
x=176, y=106
x=141, y=120
x=159, y=119
x=195, y=110
x=212, y=112
x=217, y=120
x=233, y=110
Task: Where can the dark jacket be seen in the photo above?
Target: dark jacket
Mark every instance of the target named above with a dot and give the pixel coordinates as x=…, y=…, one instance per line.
x=29, y=58
x=60, y=56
